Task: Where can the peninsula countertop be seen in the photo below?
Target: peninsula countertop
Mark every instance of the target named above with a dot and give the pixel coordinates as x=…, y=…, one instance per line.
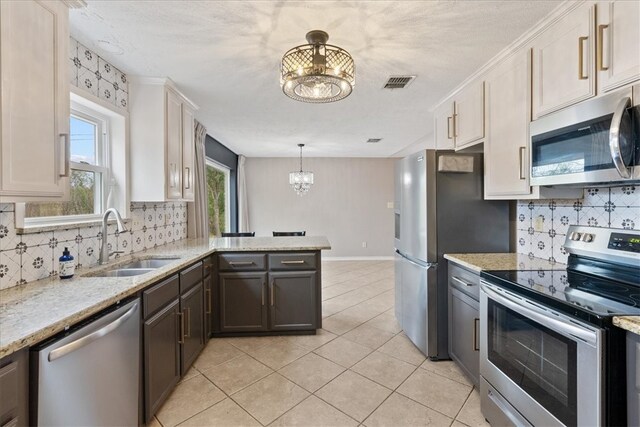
x=502, y=261
x=36, y=311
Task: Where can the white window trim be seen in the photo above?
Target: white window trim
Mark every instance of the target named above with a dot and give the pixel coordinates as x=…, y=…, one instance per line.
x=227, y=190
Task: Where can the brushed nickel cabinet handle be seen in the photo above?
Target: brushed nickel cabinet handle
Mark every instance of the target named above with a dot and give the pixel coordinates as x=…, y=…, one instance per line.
x=181, y=327
x=460, y=281
x=65, y=154
x=292, y=262
x=455, y=125
x=476, y=324
x=264, y=285
x=188, y=178
x=188, y=322
x=234, y=263
x=207, y=293
x=581, y=75
x=449, y=127
x=273, y=292
x=601, y=29
x=521, y=151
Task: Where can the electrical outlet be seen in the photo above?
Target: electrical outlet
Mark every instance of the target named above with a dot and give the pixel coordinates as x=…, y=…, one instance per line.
x=364, y=244
x=538, y=223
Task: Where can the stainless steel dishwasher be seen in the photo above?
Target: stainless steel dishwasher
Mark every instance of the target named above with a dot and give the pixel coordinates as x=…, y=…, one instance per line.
x=89, y=376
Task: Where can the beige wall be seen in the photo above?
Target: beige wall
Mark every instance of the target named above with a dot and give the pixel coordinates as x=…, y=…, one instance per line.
x=347, y=203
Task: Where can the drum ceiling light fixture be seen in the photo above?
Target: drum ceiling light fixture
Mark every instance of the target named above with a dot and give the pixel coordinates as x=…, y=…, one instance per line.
x=317, y=72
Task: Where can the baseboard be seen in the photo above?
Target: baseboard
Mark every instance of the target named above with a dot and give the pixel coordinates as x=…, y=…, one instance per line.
x=358, y=258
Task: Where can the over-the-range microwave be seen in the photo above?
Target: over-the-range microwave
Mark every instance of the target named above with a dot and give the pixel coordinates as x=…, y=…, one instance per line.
x=593, y=142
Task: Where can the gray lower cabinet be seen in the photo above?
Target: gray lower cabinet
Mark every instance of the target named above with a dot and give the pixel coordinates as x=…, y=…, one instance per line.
x=633, y=379
x=192, y=307
x=14, y=389
x=292, y=300
x=208, y=306
x=242, y=301
x=464, y=320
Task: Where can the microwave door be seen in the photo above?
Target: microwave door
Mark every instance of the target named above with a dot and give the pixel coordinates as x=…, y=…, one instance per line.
x=621, y=143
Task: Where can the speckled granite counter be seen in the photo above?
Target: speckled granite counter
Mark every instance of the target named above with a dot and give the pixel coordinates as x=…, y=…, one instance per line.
x=38, y=310
x=502, y=261
x=629, y=323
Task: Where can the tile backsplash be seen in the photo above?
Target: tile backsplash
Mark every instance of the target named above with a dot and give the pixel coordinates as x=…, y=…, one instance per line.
x=542, y=224
x=90, y=72
x=28, y=257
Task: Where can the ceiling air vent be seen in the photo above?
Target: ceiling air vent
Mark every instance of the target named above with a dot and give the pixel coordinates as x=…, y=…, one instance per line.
x=398, y=82
x=373, y=140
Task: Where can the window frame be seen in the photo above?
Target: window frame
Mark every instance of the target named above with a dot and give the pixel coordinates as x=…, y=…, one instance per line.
x=209, y=162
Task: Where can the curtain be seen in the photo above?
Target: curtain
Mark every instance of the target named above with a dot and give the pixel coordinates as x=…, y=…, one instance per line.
x=243, y=207
x=198, y=215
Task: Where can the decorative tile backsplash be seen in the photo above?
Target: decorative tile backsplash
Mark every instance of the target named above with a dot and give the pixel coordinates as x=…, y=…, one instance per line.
x=543, y=224
x=28, y=257
x=90, y=72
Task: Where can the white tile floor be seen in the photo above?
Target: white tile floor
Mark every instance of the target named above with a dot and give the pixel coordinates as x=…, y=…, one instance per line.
x=360, y=369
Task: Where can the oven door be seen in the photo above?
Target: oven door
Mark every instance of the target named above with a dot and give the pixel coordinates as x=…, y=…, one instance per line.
x=545, y=367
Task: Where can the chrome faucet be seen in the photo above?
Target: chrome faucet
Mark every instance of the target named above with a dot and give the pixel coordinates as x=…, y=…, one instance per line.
x=104, y=249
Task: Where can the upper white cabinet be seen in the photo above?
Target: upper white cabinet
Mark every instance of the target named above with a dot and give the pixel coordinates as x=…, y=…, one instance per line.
x=564, y=61
x=443, y=127
x=34, y=126
x=468, y=116
x=162, y=141
x=618, y=47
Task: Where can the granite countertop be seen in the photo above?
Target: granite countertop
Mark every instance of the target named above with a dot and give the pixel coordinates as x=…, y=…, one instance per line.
x=33, y=312
x=502, y=261
x=629, y=323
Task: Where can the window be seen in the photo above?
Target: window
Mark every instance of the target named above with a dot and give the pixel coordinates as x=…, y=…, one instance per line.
x=218, y=198
x=89, y=173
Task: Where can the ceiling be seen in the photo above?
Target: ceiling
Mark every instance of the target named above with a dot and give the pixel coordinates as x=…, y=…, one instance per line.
x=225, y=56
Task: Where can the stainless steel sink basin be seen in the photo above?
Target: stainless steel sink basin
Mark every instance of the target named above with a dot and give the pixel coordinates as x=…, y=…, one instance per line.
x=149, y=263
x=122, y=272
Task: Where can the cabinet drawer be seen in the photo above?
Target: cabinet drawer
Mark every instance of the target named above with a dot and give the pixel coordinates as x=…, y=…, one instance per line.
x=292, y=261
x=160, y=295
x=8, y=387
x=242, y=262
x=190, y=277
x=464, y=280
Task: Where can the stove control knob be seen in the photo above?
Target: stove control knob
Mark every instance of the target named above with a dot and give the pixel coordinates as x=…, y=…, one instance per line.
x=586, y=237
x=575, y=236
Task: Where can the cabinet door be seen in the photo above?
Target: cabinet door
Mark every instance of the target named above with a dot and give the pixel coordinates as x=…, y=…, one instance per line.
x=188, y=152
x=443, y=127
x=618, y=54
x=468, y=118
x=14, y=389
x=174, y=145
x=243, y=298
x=34, y=133
x=161, y=357
x=508, y=114
x=192, y=308
x=464, y=327
x=292, y=300
x=563, y=62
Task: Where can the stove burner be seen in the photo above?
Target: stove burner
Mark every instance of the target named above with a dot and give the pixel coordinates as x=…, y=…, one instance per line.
x=606, y=287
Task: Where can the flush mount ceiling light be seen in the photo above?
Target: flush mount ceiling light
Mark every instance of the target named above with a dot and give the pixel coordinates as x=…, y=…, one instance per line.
x=301, y=181
x=317, y=72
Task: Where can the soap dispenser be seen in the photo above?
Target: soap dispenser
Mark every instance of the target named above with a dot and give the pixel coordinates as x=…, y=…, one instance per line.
x=67, y=265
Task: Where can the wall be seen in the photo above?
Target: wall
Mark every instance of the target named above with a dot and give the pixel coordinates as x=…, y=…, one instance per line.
x=221, y=154
x=347, y=203
x=33, y=256
x=542, y=224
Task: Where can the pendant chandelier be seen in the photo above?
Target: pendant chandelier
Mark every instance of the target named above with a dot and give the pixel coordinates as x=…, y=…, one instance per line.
x=317, y=72
x=301, y=181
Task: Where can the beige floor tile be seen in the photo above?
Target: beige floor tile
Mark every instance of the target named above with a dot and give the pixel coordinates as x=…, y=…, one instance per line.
x=368, y=336
x=402, y=348
x=383, y=369
x=340, y=323
x=398, y=410
x=458, y=424
x=226, y=413
x=247, y=344
x=188, y=398
x=386, y=322
x=237, y=373
x=278, y=354
x=436, y=392
x=343, y=352
x=270, y=397
x=311, y=371
x=192, y=372
x=154, y=423
x=215, y=353
x=354, y=395
x=314, y=412
x=470, y=413
x=447, y=368
x=310, y=342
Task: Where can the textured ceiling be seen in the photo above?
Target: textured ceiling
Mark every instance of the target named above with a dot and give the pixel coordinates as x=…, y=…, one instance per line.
x=225, y=56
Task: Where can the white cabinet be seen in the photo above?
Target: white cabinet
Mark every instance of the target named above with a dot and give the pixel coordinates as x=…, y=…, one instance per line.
x=34, y=125
x=468, y=116
x=564, y=62
x=618, y=52
x=443, y=124
x=162, y=141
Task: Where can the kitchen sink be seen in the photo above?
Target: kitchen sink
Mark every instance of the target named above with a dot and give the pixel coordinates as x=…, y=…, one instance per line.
x=149, y=263
x=134, y=268
x=122, y=272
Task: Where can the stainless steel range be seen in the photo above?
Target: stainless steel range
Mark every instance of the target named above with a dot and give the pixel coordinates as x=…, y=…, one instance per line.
x=549, y=353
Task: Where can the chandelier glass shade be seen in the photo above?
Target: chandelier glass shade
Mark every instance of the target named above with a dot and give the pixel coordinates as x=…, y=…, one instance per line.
x=317, y=72
x=301, y=181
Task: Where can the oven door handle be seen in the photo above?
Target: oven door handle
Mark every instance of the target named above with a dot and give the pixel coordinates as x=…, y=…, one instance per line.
x=614, y=138
x=547, y=319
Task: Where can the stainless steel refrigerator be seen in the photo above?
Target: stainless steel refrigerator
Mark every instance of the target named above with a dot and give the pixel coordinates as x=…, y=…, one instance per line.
x=439, y=209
